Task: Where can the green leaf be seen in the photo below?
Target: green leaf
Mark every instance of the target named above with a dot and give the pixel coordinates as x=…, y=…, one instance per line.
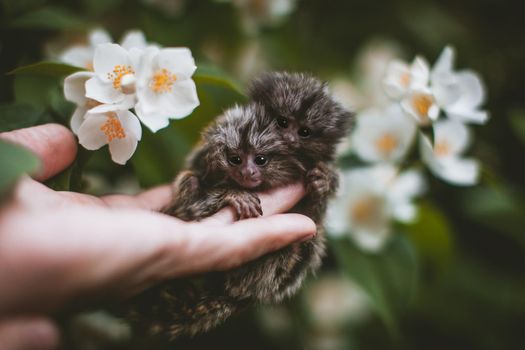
x=17, y=116
x=56, y=69
x=49, y=17
x=213, y=76
x=498, y=208
x=432, y=236
x=35, y=90
x=389, y=278
x=15, y=161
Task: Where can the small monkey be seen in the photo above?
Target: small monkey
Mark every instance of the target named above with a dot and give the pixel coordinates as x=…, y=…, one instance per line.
x=286, y=133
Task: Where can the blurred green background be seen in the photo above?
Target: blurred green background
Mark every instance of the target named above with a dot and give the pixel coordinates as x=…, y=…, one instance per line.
x=454, y=279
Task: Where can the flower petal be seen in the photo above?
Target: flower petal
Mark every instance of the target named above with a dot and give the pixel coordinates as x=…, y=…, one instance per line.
x=458, y=171
x=383, y=135
x=99, y=36
x=154, y=121
x=128, y=102
x=74, y=87
x=407, y=185
x=130, y=123
x=419, y=73
x=79, y=56
x=107, y=56
x=405, y=212
x=134, y=39
x=122, y=149
x=77, y=119
x=477, y=117
x=178, y=60
x=443, y=64
x=371, y=240
x=337, y=218
x=90, y=135
x=454, y=170
x=103, y=91
x=183, y=99
x=452, y=133
x=397, y=79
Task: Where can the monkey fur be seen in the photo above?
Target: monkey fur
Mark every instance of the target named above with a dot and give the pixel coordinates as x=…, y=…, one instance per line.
x=294, y=125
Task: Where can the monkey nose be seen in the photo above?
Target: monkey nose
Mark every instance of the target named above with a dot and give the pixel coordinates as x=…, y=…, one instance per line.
x=290, y=138
x=247, y=173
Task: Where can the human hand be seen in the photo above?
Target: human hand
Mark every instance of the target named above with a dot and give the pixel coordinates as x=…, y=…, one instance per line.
x=65, y=247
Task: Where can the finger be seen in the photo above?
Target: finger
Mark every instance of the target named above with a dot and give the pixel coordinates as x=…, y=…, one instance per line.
x=31, y=333
x=54, y=144
x=275, y=201
x=153, y=199
x=232, y=245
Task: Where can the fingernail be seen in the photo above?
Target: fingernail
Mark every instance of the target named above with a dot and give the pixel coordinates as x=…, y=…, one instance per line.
x=307, y=238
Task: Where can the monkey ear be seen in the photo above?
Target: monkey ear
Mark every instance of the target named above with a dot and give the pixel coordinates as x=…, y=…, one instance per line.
x=213, y=160
x=346, y=120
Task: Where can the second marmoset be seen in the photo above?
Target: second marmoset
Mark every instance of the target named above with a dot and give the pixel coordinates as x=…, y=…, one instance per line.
x=286, y=133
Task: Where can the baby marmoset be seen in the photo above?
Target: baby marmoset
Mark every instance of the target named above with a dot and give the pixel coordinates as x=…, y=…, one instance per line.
x=288, y=132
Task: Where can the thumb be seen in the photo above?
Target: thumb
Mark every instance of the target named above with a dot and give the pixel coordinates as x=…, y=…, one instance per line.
x=31, y=333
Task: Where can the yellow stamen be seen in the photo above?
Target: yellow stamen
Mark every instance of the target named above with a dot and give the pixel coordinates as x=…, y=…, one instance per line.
x=118, y=72
x=90, y=103
x=422, y=104
x=365, y=211
x=405, y=79
x=162, y=81
x=112, y=128
x=89, y=66
x=442, y=148
x=386, y=143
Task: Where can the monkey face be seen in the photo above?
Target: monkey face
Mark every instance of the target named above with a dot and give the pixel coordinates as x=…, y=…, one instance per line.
x=246, y=168
x=303, y=112
x=244, y=147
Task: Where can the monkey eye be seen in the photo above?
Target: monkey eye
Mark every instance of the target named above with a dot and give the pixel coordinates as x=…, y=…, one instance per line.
x=235, y=160
x=304, y=132
x=261, y=160
x=282, y=122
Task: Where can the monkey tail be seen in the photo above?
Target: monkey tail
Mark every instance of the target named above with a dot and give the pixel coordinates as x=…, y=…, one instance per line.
x=181, y=310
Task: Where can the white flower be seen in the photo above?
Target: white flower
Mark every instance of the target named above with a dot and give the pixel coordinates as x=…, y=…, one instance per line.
x=451, y=139
x=335, y=300
x=165, y=89
x=400, y=77
x=75, y=91
x=115, y=75
x=459, y=93
x=421, y=104
x=255, y=13
x=118, y=129
x=82, y=55
x=383, y=135
x=369, y=199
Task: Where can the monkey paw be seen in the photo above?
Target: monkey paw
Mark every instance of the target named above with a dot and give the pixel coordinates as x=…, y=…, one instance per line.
x=320, y=181
x=186, y=182
x=246, y=204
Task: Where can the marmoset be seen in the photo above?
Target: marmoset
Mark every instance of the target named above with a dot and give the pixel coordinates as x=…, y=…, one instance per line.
x=286, y=133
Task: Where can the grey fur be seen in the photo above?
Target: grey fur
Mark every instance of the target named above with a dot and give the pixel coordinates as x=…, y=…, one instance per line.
x=180, y=308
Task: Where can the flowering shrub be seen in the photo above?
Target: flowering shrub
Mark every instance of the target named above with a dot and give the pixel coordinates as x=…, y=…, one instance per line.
x=155, y=83
x=440, y=99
